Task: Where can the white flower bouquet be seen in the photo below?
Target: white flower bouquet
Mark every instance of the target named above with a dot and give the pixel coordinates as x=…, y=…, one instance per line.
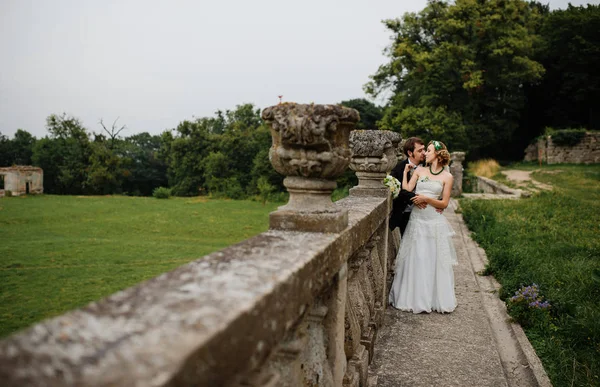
x=393, y=184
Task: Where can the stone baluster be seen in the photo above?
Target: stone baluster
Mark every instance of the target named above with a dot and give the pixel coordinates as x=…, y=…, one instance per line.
x=358, y=316
x=310, y=147
x=456, y=169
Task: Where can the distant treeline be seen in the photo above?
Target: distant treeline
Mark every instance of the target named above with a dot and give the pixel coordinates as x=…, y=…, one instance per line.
x=226, y=155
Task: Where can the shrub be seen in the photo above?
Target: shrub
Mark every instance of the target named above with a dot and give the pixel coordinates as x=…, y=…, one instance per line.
x=484, y=167
x=568, y=137
x=265, y=189
x=161, y=193
x=340, y=193
x=469, y=182
x=8, y=193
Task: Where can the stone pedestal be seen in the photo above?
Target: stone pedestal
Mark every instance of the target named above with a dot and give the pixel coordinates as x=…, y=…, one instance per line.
x=456, y=169
x=374, y=154
x=310, y=147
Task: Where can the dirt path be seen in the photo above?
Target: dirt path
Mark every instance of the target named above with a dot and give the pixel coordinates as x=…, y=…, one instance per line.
x=524, y=180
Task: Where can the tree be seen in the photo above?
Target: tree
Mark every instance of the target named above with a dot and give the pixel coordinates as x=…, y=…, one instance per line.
x=64, y=155
x=569, y=93
x=5, y=158
x=217, y=154
x=107, y=169
x=21, y=147
x=462, y=68
x=147, y=170
x=369, y=112
x=184, y=154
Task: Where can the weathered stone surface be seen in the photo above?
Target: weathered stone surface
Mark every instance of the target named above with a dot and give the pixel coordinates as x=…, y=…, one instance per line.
x=21, y=180
x=375, y=153
x=375, y=143
x=490, y=186
x=204, y=323
x=351, y=329
x=310, y=147
x=310, y=140
x=586, y=152
x=359, y=365
x=456, y=169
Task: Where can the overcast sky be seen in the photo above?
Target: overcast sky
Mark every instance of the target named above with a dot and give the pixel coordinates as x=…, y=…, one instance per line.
x=156, y=63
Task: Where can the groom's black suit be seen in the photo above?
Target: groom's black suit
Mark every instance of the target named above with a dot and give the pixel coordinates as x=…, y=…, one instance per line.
x=399, y=218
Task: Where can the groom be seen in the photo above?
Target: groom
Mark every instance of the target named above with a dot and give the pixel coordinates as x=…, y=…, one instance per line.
x=414, y=149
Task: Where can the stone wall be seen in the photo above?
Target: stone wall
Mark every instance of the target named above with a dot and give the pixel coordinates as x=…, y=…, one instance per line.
x=586, y=152
x=298, y=305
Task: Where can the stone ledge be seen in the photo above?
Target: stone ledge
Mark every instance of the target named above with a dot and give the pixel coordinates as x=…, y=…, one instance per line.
x=489, y=186
x=201, y=323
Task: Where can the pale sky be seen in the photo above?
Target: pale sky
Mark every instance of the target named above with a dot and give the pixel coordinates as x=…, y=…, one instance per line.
x=156, y=63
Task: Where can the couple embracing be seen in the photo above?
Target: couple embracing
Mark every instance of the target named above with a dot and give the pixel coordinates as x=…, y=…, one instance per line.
x=424, y=277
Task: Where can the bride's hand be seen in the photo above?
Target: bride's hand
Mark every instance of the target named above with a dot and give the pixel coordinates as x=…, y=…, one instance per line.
x=408, y=167
x=419, y=199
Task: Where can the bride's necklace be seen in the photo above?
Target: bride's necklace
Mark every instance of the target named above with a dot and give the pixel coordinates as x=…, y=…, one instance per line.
x=434, y=173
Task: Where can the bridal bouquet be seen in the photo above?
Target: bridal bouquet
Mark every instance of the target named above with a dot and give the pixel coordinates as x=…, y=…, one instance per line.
x=393, y=184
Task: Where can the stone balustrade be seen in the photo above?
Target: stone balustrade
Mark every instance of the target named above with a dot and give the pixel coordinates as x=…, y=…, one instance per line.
x=298, y=305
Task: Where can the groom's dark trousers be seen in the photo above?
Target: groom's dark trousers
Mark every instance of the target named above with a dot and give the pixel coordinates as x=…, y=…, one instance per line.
x=399, y=218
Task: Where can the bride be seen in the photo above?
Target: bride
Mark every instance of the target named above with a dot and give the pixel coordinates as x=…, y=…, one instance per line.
x=424, y=279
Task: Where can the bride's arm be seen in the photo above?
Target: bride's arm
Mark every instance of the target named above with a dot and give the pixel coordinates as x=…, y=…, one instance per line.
x=437, y=203
x=410, y=186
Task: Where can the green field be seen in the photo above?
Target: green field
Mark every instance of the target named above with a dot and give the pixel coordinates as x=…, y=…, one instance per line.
x=553, y=240
x=61, y=252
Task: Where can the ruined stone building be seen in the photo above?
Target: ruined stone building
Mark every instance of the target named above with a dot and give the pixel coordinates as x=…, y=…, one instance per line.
x=21, y=180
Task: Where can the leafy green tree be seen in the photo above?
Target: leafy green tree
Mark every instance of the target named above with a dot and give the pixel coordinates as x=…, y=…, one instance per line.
x=184, y=153
x=21, y=147
x=569, y=93
x=5, y=158
x=462, y=67
x=265, y=189
x=147, y=170
x=262, y=168
x=64, y=155
x=217, y=154
x=107, y=169
x=369, y=112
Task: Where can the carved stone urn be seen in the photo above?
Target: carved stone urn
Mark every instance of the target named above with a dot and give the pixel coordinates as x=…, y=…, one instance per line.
x=310, y=147
x=374, y=154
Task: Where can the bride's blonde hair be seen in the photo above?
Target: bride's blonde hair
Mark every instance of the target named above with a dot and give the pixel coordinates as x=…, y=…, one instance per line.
x=443, y=156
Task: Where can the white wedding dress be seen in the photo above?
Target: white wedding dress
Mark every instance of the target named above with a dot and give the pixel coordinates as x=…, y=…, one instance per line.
x=424, y=277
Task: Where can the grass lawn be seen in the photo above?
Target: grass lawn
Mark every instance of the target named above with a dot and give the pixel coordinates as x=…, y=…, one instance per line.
x=61, y=252
x=553, y=240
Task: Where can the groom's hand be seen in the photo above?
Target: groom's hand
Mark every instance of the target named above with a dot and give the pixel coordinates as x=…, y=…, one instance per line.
x=421, y=205
x=439, y=210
